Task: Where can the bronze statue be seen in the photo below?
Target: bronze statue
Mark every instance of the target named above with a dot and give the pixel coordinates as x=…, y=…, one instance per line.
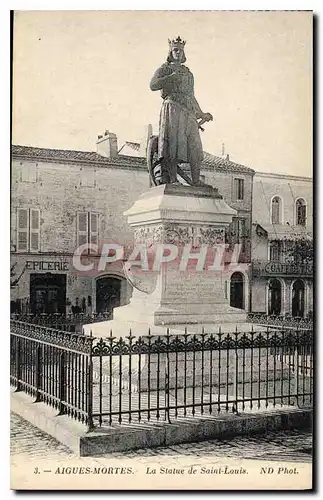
x=180, y=120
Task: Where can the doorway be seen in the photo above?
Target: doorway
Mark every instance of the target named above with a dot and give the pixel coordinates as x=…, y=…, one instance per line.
x=48, y=293
x=274, y=297
x=107, y=294
x=298, y=299
x=236, y=291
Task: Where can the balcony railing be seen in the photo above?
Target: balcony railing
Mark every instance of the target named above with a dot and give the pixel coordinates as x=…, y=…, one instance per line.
x=266, y=268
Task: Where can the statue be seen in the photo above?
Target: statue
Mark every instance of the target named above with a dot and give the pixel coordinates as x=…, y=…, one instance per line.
x=180, y=120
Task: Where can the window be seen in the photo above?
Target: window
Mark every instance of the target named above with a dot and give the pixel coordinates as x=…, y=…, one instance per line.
x=276, y=210
x=88, y=177
x=238, y=189
x=87, y=228
x=28, y=230
x=275, y=251
x=238, y=232
x=242, y=233
x=300, y=212
x=29, y=172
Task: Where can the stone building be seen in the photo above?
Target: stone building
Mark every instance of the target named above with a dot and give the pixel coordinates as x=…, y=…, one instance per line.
x=282, y=213
x=62, y=199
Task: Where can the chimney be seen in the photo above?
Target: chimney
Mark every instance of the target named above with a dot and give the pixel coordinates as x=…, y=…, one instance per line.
x=144, y=142
x=107, y=145
x=224, y=155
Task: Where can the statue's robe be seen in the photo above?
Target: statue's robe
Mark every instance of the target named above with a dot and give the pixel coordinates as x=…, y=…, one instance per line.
x=179, y=138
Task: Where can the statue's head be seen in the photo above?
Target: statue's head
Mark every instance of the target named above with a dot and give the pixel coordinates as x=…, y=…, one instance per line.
x=176, y=50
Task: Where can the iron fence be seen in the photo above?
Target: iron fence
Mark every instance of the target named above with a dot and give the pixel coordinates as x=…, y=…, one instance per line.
x=54, y=366
x=152, y=378
x=68, y=322
x=285, y=321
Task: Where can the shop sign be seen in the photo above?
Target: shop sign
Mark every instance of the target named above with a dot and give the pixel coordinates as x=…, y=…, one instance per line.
x=46, y=265
x=278, y=268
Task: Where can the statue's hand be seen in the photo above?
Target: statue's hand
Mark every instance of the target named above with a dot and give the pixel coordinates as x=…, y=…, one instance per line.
x=207, y=117
x=177, y=71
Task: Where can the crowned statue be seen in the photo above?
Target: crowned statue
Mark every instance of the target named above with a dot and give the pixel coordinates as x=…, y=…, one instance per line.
x=180, y=121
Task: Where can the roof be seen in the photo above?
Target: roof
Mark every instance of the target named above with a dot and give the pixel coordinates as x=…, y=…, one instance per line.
x=72, y=156
x=284, y=231
x=224, y=165
x=210, y=162
x=273, y=175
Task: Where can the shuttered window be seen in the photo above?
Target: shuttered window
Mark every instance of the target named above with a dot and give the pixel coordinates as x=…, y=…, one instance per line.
x=87, y=228
x=242, y=233
x=28, y=230
x=82, y=228
x=94, y=228
x=275, y=251
x=34, y=230
x=22, y=229
x=238, y=189
x=238, y=233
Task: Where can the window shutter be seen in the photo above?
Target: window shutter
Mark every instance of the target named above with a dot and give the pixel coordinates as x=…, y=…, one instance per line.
x=34, y=234
x=235, y=189
x=241, y=193
x=82, y=228
x=22, y=229
x=94, y=228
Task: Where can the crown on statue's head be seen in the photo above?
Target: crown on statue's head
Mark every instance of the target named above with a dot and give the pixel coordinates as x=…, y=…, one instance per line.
x=176, y=43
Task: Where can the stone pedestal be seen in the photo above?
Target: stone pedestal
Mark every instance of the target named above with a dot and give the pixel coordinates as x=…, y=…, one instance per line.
x=176, y=298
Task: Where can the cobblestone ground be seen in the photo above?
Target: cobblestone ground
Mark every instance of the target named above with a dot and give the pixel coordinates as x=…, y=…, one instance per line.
x=291, y=445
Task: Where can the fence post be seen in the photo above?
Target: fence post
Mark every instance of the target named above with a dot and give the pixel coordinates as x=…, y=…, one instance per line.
x=18, y=364
x=167, y=400
x=38, y=373
x=62, y=383
x=89, y=375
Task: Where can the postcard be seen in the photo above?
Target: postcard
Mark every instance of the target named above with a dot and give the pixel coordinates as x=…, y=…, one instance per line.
x=161, y=274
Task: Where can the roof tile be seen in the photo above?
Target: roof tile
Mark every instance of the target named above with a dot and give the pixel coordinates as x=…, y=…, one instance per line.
x=210, y=161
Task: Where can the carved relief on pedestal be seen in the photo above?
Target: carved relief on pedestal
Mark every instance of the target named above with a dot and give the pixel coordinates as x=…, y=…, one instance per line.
x=178, y=234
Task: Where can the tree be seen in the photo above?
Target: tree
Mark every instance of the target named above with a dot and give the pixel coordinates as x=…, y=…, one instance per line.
x=299, y=251
x=14, y=282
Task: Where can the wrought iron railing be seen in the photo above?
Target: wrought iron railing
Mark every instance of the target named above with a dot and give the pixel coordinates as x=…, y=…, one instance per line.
x=53, y=366
x=282, y=321
x=152, y=378
x=69, y=322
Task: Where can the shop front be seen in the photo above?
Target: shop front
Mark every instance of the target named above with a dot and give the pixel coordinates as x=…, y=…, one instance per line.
x=43, y=284
x=282, y=289
x=49, y=284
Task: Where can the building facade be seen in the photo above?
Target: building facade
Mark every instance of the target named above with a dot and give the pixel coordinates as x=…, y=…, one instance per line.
x=64, y=199
x=282, y=245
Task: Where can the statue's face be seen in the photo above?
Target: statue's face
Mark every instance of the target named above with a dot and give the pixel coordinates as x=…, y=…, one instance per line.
x=178, y=54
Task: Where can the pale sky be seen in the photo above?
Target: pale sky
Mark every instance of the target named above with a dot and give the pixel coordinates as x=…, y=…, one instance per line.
x=78, y=73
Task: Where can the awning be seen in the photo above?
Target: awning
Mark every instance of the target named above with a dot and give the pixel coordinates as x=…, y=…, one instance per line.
x=286, y=232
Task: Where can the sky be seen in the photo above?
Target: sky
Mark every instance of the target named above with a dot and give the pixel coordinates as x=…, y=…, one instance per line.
x=79, y=73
